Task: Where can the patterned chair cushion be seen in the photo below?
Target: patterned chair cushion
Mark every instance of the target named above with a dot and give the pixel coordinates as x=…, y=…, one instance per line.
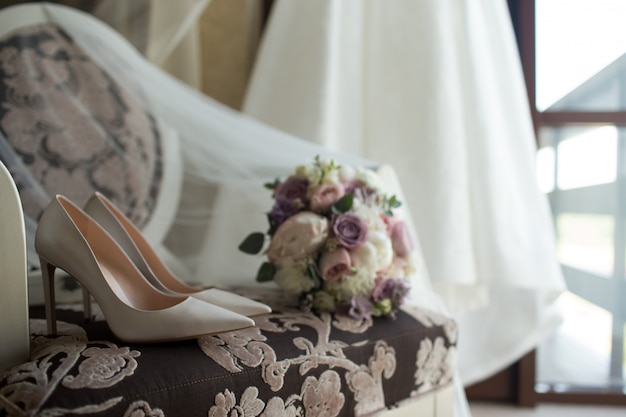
x=71, y=129
x=291, y=363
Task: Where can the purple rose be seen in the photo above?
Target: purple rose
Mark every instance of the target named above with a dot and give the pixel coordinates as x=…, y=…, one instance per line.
x=282, y=210
x=392, y=289
x=293, y=189
x=360, y=308
x=350, y=230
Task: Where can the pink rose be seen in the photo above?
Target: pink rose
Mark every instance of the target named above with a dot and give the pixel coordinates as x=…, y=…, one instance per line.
x=299, y=236
x=335, y=264
x=401, y=238
x=325, y=196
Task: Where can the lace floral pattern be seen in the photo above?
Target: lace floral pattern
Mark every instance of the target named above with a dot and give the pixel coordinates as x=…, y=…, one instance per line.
x=291, y=364
x=66, y=361
x=66, y=127
x=247, y=347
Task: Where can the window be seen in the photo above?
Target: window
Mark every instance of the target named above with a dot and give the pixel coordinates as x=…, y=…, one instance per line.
x=574, y=58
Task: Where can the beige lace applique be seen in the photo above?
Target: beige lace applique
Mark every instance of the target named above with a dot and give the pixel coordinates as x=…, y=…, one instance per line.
x=233, y=349
x=100, y=365
x=318, y=398
x=366, y=381
x=226, y=404
x=322, y=397
x=276, y=407
x=104, y=367
x=142, y=409
x=348, y=324
x=435, y=365
x=248, y=347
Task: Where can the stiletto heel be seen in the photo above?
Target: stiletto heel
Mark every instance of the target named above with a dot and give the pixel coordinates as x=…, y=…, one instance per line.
x=47, y=272
x=145, y=258
x=69, y=239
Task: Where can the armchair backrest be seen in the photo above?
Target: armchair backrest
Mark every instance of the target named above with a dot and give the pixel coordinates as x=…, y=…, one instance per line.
x=68, y=127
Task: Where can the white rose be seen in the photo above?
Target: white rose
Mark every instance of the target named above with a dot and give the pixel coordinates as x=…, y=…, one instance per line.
x=346, y=174
x=370, y=215
x=292, y=277
x=374, y=255
x=370, y=179
x=299, y=236
x=361, y=283
x=401, y=267
x=384, y=248
x=331, y=177
x=309, y=172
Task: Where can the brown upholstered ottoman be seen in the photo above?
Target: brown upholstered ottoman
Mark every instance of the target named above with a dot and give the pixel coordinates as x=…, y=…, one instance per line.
x=291, y=363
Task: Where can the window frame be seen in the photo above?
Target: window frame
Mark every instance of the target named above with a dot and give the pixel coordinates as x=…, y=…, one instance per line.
x=523, y=19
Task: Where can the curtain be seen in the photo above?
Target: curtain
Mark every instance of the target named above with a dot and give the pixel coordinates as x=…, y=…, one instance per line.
x=165, y=32
x=434, y=88
x=208, y=44
x=229, y=33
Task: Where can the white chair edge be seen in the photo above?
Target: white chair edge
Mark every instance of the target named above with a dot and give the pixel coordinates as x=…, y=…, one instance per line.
x=15, y=346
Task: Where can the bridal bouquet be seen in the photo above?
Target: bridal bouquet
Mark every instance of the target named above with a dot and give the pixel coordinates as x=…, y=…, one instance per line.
x=334, y=241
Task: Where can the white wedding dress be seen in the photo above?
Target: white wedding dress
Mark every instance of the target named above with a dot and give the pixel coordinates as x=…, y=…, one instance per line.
x=435, y=88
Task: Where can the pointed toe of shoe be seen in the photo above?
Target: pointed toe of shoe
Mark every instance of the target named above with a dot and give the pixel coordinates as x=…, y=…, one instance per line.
x=233, y=302
x=189, y=319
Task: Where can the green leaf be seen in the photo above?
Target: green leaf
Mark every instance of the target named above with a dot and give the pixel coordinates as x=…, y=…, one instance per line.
x=383, y=307
x=266, y=272
x=253, y=243
x=393, y=201
x=390, y=203
x=272, y=185
x=343, y=204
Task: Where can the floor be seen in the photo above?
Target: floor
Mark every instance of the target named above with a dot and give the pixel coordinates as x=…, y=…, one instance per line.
x=545, y=410
x=579, y=352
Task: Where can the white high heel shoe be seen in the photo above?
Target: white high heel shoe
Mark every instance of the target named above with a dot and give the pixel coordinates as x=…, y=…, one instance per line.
x=69, y=239
x=153, y=268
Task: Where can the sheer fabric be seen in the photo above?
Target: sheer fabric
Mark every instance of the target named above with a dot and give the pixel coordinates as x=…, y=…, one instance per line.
x=434, y=88
x=214, y=160
x=165, y=32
